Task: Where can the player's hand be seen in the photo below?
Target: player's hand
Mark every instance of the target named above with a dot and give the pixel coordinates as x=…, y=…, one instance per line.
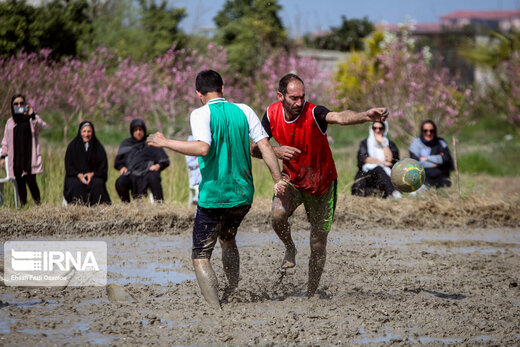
x=378, y=114
x=286, y=152
x=280, y=187
x=155, y=167
x=156, y=140
x=123, y=170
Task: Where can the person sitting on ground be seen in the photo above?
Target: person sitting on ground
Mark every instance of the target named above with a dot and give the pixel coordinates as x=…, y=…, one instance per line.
x=376, y=157
x=140, y=165
x=433, y=153
x=193, y=165
x=86, y=167
x=21, y=146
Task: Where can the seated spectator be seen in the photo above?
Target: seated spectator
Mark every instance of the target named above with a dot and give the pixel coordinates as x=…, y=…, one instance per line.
x=139, y=165
x=376, y=156
x=86, y=168
x=434, y=154
x=193, y=166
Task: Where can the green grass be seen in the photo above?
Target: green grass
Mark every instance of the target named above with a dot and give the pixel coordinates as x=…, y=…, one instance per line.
x=488, y=147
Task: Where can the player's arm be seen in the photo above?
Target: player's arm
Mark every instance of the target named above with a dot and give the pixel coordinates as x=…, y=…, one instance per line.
x=349, y=117
x=267, y=152
x=193, y=148
x=269, y=157
x=281, y=152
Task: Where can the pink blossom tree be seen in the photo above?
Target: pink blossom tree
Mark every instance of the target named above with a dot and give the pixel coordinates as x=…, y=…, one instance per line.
x=403, y=81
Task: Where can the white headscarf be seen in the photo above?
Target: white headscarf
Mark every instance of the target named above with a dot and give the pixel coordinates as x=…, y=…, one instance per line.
x=375, y=150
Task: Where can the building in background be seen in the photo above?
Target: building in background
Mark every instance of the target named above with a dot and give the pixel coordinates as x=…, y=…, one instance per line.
x=503, y=21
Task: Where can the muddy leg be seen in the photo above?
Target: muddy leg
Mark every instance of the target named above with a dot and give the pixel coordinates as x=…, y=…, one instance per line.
x=207, y=281
x=230, y=261
x=281, y=211
x=317, y=260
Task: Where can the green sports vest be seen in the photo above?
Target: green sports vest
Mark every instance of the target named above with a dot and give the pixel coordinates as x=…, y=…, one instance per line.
x=227, y=179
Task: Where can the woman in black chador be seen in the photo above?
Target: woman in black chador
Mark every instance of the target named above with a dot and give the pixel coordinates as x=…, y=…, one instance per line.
x=140, y=165
x=86, y=167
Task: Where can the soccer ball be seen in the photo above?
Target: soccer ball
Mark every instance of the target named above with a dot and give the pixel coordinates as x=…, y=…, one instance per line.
x=408, y=175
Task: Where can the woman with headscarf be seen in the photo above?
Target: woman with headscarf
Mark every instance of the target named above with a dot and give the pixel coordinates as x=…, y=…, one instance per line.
x=86, y=167
x=376, y=156
x=139, y=165
x=20, y=145
x=433, y=153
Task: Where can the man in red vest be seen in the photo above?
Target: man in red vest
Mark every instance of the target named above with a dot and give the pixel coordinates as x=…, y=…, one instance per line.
x=300, y=128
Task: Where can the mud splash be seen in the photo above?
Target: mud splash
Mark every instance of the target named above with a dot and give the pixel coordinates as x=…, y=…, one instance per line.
x=380, y=286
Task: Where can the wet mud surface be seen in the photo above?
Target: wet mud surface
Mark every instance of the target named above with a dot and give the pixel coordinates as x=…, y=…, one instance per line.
x=455, y=285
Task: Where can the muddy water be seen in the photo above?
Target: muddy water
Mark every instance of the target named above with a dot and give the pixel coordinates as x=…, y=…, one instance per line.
x=458, y=286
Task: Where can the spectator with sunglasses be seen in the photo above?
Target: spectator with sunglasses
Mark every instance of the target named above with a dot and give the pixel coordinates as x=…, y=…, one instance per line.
x=376, y=157
x=20, y=144
x=433, y=153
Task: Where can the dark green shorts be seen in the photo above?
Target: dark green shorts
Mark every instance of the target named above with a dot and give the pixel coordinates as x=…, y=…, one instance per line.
x=319, y=209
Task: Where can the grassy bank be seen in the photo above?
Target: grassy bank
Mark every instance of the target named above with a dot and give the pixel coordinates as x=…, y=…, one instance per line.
x=488, y=148
x=477, y=172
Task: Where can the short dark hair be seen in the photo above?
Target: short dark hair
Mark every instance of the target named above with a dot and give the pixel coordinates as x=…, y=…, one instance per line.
x=208, y=81
x=282, y=85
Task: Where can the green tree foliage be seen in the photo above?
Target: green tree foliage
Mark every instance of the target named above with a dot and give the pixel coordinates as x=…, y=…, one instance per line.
x=140, y=30
x=250, y=30
x=59, y=25
x=348, y=36
x=161, y=25
x=493, y=50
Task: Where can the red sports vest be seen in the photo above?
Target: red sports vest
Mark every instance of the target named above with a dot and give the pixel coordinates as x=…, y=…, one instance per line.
x=313, y=171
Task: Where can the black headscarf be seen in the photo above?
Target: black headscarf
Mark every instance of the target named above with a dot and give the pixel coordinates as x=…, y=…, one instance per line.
x=79, y=160
x=22, y=141
x=435, y=140
x=136, y=156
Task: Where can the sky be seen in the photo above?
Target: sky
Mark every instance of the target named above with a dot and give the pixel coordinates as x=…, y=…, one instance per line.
x=303, y=16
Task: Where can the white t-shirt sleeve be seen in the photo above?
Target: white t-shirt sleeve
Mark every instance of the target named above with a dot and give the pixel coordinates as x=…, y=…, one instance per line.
x=200, y=124
x=256, y=130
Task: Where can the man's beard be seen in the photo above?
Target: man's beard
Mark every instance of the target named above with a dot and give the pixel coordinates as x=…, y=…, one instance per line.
x=293, y=111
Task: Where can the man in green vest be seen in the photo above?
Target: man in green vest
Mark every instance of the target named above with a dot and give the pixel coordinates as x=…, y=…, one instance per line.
x=221, y=132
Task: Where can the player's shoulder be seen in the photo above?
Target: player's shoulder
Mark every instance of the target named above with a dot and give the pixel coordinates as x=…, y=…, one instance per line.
x=247, y=110
x=202, y=110
x=274, y=108
x=311, y=105
x=243, y=106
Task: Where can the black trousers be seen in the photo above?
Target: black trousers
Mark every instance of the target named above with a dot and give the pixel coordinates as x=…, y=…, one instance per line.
x=30, y=181
x=374, y=182
x=437, y=178
x=138, y=186
x=92, y=194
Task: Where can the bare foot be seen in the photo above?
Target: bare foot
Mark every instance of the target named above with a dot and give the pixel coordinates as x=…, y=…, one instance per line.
x=289, y=261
